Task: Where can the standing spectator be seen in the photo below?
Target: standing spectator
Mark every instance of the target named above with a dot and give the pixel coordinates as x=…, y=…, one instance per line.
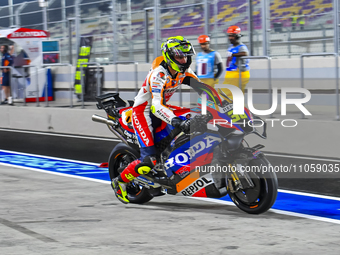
x=234, y=63
x=302, y=20
x=208, y=62
x=6, y=61
x=294, y=21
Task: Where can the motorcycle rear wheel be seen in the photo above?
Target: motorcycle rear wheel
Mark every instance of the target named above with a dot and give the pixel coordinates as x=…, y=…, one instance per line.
x=262, y=197
x=120, y=157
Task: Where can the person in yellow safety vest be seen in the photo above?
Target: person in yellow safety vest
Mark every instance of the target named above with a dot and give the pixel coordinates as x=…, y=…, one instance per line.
x=208, y=62
x=294, y=21
x=302, y=20
x=234, y=63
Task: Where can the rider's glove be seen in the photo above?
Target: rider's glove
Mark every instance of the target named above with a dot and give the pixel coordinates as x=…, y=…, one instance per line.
x=199, y=123
x=184, y=125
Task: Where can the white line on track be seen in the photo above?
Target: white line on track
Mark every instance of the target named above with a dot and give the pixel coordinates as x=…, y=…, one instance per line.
x=309, y=194
x=61, y=135
x=300, y=215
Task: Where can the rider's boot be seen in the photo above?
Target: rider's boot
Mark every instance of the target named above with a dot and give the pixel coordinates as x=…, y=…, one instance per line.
x=133, y=170
x=120, y=190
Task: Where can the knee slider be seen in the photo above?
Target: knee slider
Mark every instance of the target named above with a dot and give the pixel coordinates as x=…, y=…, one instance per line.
x=146, y=165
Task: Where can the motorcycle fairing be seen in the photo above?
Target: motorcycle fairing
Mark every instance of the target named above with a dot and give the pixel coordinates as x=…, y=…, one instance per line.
x=144, y=180
x=195, y=185
x=126, y=119
x=196, y=152
x=226, y=113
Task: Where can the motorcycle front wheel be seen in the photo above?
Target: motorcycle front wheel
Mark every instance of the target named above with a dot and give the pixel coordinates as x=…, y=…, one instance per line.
x=262, y=196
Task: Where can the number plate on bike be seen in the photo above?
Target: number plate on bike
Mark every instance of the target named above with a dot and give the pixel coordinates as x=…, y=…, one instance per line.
x=227, y=108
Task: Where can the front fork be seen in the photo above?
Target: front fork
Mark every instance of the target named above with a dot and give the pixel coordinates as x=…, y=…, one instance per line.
x=237, y=177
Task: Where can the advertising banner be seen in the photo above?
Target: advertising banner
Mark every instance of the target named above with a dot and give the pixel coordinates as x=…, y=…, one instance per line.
x=30, y=42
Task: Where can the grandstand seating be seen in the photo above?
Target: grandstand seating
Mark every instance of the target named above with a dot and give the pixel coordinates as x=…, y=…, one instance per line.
x=234, y=12
x=190, y=20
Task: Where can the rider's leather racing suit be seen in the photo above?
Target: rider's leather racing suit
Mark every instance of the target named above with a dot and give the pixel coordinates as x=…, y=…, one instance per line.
x=156, y=90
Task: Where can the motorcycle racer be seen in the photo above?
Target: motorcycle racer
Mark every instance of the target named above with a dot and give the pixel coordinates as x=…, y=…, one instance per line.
x=168, y=72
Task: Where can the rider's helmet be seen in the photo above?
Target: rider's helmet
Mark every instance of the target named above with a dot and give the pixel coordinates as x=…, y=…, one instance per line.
x=203, y=39
x=235, y=31
x=177, y=46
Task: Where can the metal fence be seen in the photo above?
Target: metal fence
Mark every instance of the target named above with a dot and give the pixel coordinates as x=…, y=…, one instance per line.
x=298, y=27
x=121, y=28
x=132, y=30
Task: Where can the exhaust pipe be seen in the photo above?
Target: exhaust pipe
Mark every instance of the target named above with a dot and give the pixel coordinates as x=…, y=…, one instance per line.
x=100, y=119
x=110, y=124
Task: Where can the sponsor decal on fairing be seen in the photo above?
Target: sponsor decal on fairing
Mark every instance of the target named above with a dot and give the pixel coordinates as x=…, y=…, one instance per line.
x=197, y=185
x=183, y=158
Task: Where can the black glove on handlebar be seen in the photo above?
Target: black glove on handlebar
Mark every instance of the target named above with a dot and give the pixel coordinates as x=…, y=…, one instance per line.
x=184, y=125
x=199, y=123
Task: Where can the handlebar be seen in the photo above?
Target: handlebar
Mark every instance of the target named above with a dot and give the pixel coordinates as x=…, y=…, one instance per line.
x=199, y=123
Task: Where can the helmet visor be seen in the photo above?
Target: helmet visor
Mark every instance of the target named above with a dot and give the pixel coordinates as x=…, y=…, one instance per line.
x=183, y=50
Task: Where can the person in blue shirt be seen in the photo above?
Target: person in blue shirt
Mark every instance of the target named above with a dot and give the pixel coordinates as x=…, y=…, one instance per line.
x=234, y=64
x=208, y=62
x=5, y=81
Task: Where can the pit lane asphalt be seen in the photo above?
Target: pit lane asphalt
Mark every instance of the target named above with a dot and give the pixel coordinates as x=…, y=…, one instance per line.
x=42, y=213
x=48, y=214
x=98, y=150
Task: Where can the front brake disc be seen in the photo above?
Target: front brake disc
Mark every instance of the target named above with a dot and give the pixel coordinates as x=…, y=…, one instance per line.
x=250, y=195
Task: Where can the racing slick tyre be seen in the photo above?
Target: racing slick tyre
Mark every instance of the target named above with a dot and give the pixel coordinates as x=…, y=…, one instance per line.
x=120, y=157
x=262, y=196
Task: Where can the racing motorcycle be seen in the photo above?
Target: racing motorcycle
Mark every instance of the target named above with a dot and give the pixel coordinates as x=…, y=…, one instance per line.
x=211, y=160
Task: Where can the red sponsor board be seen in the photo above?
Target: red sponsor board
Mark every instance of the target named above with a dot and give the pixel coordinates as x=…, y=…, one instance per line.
x=28, y=33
